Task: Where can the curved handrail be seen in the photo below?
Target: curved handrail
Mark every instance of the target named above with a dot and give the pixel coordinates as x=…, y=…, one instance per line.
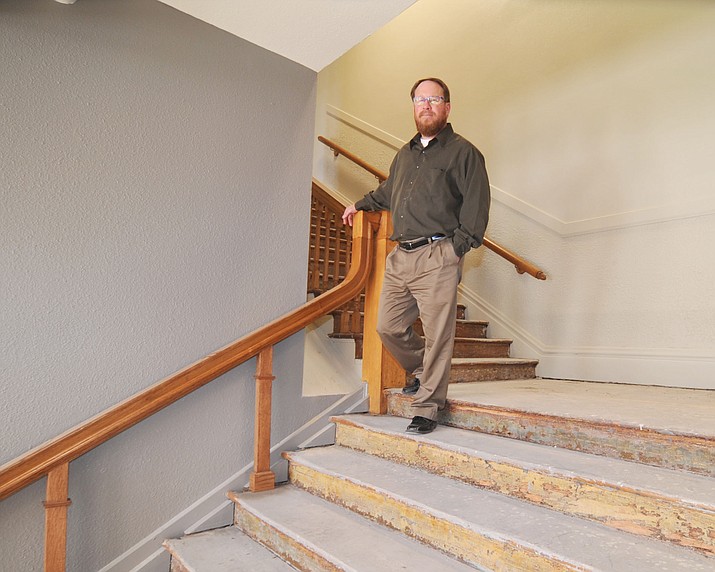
x=521, y=265
x=38, y=462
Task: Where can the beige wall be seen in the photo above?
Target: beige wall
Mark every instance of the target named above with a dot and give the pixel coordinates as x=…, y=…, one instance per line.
x=596, y=120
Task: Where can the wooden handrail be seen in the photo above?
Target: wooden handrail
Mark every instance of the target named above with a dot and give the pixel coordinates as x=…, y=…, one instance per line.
x=522, y=265
x=58, y=452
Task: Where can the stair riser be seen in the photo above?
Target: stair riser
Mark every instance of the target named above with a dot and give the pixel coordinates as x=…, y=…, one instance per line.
x=480, y=349
x=470, y=330
x=288, y=548
x=461, y=373
x=692, y=454
x=463, y=329
x=641, y=513
x=436, y=530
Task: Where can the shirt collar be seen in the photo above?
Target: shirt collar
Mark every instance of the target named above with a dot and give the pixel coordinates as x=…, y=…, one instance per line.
x=442, y=137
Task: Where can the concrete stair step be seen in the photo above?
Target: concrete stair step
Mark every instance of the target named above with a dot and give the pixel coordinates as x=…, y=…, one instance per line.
x=661, y=503
x=222, y=550
x=661, y=426
x=480, y=527
x=481, y=348
x=314, y=534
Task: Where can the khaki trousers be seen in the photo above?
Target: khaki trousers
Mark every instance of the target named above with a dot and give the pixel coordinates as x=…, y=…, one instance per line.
x=422, y=282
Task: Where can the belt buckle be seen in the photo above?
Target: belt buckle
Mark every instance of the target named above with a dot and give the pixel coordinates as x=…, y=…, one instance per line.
x=412, y=244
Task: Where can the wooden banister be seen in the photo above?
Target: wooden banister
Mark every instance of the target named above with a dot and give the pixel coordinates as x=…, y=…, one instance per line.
x=53, y=457
x=57, y=452
x=522, y=266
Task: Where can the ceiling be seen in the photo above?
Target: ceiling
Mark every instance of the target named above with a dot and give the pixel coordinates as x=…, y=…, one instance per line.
x=313, y=33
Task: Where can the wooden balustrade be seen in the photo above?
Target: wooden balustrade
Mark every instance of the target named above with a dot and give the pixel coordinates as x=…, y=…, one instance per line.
x=379, y=368
x=52, y=458
x=328, y=259
x=330, y=242
x=521, y=265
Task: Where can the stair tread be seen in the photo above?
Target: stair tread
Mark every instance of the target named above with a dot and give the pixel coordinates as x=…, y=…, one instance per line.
x=341, y=535
x=687, y=487
x=664, y=409
x=225, y=550
x=500, y=517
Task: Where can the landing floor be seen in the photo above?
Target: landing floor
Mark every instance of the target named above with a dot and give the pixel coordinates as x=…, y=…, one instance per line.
x=684, y=411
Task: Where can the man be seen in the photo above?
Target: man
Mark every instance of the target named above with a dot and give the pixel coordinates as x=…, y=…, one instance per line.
x=438, y=195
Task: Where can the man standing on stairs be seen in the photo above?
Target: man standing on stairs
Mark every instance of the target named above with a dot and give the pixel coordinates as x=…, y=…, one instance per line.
x=438, y=195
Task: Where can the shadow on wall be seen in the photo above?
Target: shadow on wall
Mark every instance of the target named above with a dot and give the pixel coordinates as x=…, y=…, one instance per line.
x=329, y=366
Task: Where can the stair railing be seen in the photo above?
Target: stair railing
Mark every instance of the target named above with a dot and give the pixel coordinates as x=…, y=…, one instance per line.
x=328, y=258
x=52, y=458
x=379, y=368
x=522, y=266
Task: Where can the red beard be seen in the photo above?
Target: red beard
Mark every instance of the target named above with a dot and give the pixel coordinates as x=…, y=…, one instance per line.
x=430, y=125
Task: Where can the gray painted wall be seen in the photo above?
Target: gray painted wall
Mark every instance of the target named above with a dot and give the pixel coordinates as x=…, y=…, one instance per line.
x=154, y=203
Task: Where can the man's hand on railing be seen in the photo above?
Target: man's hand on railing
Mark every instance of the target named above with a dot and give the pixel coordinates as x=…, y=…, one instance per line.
x=350, y=212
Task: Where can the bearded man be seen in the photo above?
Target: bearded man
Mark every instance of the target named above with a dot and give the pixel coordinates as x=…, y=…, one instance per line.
x=438, y=195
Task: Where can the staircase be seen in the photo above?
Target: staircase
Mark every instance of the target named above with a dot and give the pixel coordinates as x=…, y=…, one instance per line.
x=522, y=474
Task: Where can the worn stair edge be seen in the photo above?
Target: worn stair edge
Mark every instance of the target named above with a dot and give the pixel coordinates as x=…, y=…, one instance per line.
x=645, y=445
x=222, y=550
x=650, y=501
x=478, y=526
x=314, y=534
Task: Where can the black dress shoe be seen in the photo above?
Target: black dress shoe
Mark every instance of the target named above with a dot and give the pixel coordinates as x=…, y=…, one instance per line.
x=412, y=389
x=421, y=425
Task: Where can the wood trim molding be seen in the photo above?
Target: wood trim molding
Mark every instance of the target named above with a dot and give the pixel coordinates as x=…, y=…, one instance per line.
x=703, y=206
x=378, y=134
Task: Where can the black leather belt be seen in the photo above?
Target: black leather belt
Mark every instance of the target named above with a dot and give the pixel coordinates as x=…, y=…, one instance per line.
x=412, y=244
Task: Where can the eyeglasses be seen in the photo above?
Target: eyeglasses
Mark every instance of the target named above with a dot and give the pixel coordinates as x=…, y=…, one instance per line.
x=432, y=100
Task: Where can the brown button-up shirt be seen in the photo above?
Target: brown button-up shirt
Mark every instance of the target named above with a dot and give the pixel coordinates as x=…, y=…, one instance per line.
x=439, y=189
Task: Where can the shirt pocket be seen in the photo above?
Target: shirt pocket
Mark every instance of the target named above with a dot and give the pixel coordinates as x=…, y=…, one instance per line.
x=435, y=174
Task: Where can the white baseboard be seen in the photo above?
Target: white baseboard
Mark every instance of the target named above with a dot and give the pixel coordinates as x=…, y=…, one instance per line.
x=214, y=510
x=644, y=366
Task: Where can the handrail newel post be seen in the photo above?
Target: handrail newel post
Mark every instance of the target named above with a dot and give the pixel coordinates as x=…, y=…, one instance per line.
x=56, y=505
x=262, y=478
x=379, y=369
